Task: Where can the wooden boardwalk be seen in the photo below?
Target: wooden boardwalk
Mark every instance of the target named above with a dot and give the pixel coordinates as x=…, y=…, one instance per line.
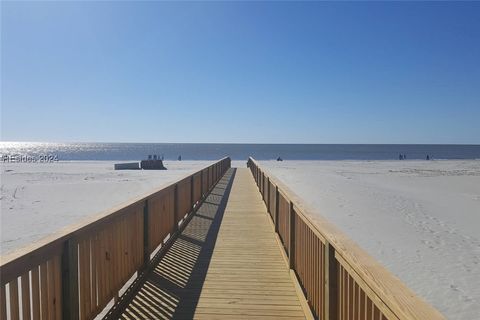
x=225, y=264
x=205, y=247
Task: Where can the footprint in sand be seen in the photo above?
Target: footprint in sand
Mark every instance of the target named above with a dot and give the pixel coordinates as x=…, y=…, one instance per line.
x=454, y=287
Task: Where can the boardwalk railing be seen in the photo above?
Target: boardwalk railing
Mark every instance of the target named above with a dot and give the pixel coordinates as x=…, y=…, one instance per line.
x=339, y=280
x=75, y=274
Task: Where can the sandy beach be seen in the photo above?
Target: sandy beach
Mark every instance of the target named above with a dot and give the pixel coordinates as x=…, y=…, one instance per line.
x=38, y=199
x=419, y=219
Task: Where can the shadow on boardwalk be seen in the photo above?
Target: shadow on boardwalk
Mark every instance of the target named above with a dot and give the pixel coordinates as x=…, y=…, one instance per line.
x=172, y=289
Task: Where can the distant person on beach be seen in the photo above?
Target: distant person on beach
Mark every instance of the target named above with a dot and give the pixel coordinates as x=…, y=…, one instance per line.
x=279, y=159
x=404, y=157
x=179, y=158
x=400, y=157
x=428, y=157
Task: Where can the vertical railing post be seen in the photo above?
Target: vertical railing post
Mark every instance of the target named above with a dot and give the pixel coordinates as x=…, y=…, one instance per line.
x=267, y=200
x=277, y=209
x=291, y=242
x=265, y=186
x=201, y=184
x=260, y=181
x=175, y=208
x=331, y=284
x=208, y=179
x=70, y=307
x=146, y=246
x=192, y=194
x=262, y=186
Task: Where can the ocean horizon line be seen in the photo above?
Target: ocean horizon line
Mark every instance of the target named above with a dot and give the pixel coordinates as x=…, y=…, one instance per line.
x=245, y=143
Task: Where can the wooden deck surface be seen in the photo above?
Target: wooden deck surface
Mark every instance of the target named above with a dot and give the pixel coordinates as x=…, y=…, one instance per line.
x=225, y=264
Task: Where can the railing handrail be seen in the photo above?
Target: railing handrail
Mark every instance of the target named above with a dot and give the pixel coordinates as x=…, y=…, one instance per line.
x=382, y=282
x=53, y=243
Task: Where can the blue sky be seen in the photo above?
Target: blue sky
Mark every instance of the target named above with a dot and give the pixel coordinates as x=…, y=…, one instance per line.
x=375, y=72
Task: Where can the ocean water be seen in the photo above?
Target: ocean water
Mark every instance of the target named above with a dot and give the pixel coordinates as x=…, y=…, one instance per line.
x=212, y=151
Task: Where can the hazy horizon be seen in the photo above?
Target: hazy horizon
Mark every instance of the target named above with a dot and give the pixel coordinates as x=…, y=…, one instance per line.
x=227, y=143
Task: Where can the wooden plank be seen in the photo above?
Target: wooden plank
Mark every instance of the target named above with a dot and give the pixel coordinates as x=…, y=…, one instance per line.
x=25, y=280
x=331, y=286
x=176, y=217
x=291, y=243
x=377, y=301
x=82, y=283
x=57, y=274
x=146, y=238
x=69, y=267
x=102, y=279
x=51, y=289
x=14, y=304
x=3, y=303
x=88, y=274
x=44, y=299
x=95, y=247
x=243, y=278
x=36, y=293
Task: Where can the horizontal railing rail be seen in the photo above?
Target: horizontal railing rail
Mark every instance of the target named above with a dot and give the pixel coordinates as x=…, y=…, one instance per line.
x=338, y=278
x=74, y=274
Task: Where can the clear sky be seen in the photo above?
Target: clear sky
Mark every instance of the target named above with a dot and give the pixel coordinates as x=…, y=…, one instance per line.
x=376, y=72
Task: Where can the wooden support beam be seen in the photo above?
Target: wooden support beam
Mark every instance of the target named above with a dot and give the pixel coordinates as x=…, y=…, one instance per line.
x=192, y=194
x=276, y=209
x=201, y=185
x=331, y=285
x=175, y=208
x=291, y=243
x=70, y=306
x=146, y=244
x=267, y=199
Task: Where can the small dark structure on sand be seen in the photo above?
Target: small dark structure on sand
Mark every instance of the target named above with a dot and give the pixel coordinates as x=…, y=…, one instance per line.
x=126, y=166
x=152, y=164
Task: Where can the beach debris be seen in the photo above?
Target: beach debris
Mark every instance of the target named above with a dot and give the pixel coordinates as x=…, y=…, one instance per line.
x=153, y=163
x=127, y=166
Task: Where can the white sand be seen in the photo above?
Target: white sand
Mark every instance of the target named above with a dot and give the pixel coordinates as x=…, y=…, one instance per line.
x=420, y=219
x=39, y=199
